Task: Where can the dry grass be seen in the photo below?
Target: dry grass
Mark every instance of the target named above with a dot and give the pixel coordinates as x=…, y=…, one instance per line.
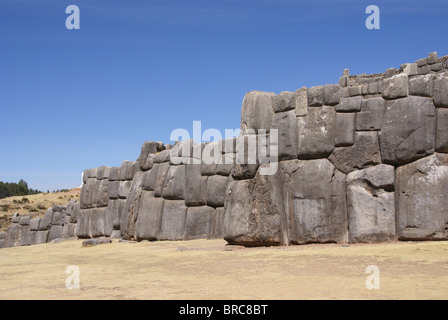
x=207, y=269
x=37, y=204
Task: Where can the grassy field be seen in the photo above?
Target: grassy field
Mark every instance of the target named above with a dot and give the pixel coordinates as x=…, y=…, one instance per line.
x=208, y=269
x=35, y=204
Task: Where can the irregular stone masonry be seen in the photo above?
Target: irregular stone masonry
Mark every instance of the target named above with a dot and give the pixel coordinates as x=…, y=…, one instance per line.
x=364, y=160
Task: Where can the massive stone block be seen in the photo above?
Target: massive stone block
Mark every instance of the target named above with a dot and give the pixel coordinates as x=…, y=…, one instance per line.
x=315, y=96
x=114, y=187
x=286, y=124
x=422, y=202
x=345, y=129
x=422, y=85
x=442, y=130
x=257, y=111
x=441, y=91
x=147, y=154
x=195, y=186
x=314, y=201
x=12, y=238
x=371, y=204
x=316, y=133
x=255, y=212
x=175, y=183
x=45, y=221
x=55, y=233
x=149, y=221
x=130, y=211
x=371, y=116
x=34, y=224
x=365, y=152
x=162, y=172
x=332, y=94
x=98, y=222
x=301, y=97
x=217, y=223
x=408, y=131
x=197, y=225
x=216, y=190
x=41, y=237
x=284, y=101
x=173, y=220
x=395, y=87
x=246, y=165
x=352, y=104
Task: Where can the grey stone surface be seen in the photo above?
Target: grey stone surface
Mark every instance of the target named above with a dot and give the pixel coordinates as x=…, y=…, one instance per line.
x=371, y=116
x=103, y=172
x=95, y=242
x=316, y=133
x=301, y=99
x=149, y=221
x=55, y=233
x=98, y=222
x=255, y=213
x=257, y=111
x=34, y=224
x=286, y=124
x=371, y=204
x=332, y=94
x=58, y=218
x=12, y=238
x=150, y=178
x=114, y=187
x=162, y=172
x=442, y=130
x=217, y=223
x=25, y=235
x=314, y=201
x=147, y=154
x=16, y=218
x=355, y=91
x=345, y=129
x=130, y=211
x=173, y=220
x=195, y=186
x=175, y=183
x=284, y=101
x=365, y=152
x=408, y=131
x=352, y=104
x=197, y=225
x=395, y=87
x=315, y=96
x=24, y=221
x=41, y=237
x=182, y=152
x=225, y=164
x=246, y=157
x=45, y=221
x=422, y=203
x=411, y=69
x=216, y=190
x=115, y=173
x=211, y=153
x=441, y=91
x=163, y=156
x=422, y=85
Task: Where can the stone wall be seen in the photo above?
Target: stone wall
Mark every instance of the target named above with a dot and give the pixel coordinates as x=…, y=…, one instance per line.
x=58, y=222
x=364, y=160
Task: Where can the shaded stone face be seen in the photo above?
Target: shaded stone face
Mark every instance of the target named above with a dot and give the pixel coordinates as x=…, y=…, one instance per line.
x=422, y=188
x=371, y=204
x=255, y=212
x=257, y=111
x=314, y=198
x=408, y=131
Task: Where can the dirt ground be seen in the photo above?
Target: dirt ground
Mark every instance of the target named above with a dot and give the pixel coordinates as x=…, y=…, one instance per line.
x=208, y=269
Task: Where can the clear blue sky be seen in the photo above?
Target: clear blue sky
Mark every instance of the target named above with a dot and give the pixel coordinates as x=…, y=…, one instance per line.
x=136, y=70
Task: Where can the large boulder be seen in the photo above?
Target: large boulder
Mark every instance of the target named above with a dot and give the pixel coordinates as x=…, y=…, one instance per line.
x=408, y=131
x=173, y=220
x=257, y=111
x=363, y=153
x=149, y=221
x=316, y=133
x=286, y=124
x=216, y=190
x=175, y=183
x=315, y=203
x=255, y=213
x=371, y=204
x=422, y=202
x=195, y=186
x=197, y=225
